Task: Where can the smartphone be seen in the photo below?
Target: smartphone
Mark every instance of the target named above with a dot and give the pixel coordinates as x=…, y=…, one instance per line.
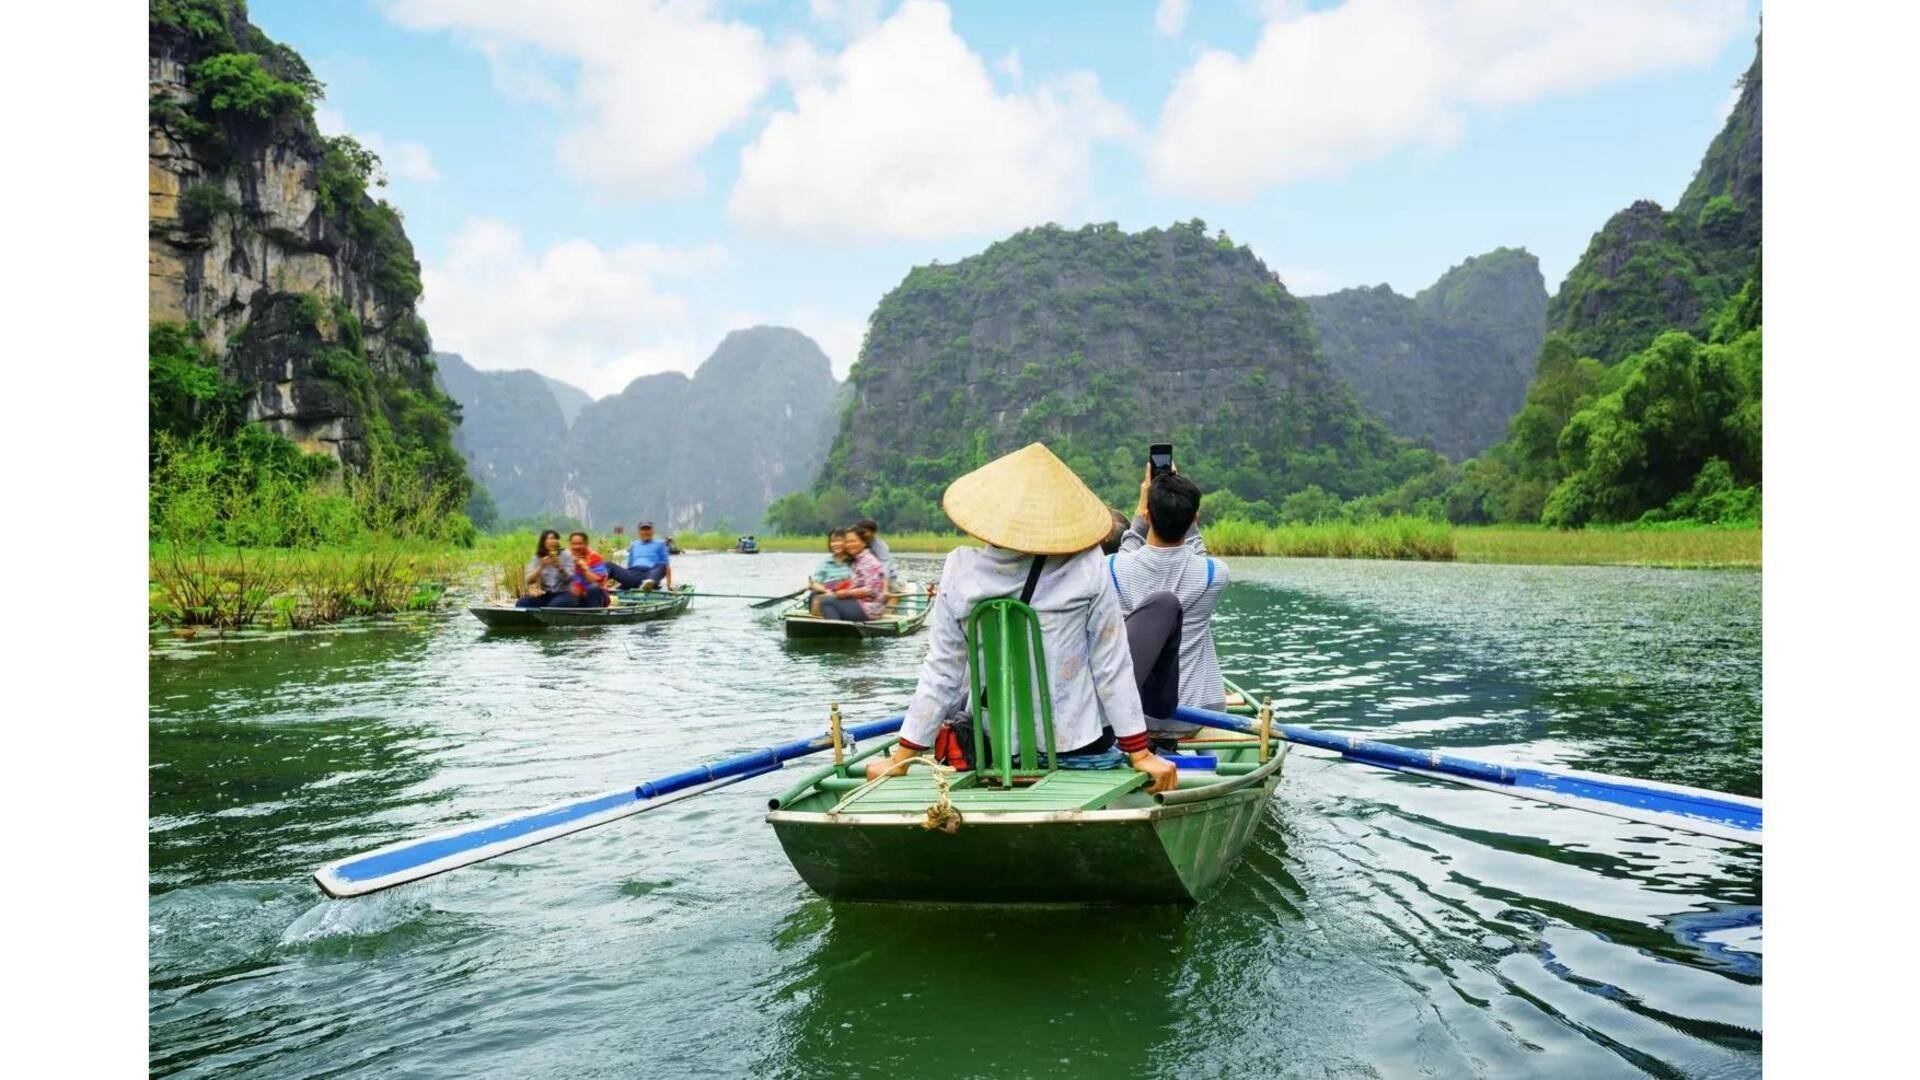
x=1160, y=458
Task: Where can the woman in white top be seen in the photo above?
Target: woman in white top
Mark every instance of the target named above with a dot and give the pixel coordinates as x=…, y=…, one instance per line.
x=1025, y=506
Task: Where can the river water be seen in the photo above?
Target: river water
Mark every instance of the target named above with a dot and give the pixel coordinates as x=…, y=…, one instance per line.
x=1380, y=925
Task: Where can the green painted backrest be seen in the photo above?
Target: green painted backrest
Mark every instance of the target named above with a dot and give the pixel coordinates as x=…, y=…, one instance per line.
x=1007, y=671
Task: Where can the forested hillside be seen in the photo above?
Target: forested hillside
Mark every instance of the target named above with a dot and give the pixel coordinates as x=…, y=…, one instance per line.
x=1646, y=401
x=1448, y=367
x=1100, y=341
x=289, y=386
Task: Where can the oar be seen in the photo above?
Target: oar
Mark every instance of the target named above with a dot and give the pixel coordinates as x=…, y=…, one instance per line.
x=772, y=600
x=464, y=845
x=1694, y=810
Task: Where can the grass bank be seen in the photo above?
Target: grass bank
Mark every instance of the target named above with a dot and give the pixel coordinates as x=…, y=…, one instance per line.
x=1684, y=547
x=275, y=588
x=1383, y=538
x=919, y=543
x=1668, y=545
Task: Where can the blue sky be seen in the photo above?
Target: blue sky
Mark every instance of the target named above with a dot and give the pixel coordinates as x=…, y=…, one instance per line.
x=600, y=190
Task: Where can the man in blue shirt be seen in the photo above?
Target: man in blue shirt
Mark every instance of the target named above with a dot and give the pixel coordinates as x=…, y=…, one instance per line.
x=647, y=564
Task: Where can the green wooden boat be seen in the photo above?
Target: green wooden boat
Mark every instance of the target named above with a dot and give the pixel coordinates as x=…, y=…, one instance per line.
x=1025, y=831
x=631, y=606
x=903, y=618
x=1087, y=836
x=505, y=617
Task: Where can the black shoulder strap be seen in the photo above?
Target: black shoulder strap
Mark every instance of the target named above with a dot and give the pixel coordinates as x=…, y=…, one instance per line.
x=1033, y=579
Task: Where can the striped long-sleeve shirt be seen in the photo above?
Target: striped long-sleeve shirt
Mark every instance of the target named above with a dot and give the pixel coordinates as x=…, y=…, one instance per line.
x=1196, y=580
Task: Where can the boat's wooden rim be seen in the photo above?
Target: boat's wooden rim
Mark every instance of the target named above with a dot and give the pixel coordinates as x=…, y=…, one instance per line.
x=1258, y=784
x=990, y=818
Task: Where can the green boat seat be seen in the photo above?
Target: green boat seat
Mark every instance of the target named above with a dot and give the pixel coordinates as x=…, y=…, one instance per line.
x=1012, y=700
x=1063, y=789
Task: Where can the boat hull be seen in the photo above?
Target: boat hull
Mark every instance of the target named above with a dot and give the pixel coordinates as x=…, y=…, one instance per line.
x=506, y=618
x=1150, y=854
x=628, y=609
x=619, y=614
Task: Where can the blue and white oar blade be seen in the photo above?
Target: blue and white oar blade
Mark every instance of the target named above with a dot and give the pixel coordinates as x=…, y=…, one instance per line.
x=1685, y=809
x=463, y=845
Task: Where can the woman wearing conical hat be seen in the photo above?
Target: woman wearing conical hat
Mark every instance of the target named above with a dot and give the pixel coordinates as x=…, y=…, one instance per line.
x=1042, y=528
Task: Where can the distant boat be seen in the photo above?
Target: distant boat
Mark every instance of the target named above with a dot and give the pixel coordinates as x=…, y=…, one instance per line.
x=629, y=606
x=746, y=545
x=672, y=548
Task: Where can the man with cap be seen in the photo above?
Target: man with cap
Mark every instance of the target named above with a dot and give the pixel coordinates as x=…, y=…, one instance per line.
x=647, y=562
x=1042, y=528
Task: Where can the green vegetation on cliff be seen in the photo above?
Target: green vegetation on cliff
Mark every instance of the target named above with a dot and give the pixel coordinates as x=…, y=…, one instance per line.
x=1649, y=271
x=1097, y=342
x=296, y=408
x=1646, y=399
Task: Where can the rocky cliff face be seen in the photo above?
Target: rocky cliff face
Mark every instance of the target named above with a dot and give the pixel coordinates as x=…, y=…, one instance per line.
x=1100, y=342
x=1448, y=367
x=1649, y=270
x=260, y=234
x=513, y=431
x=751, y=425
x=570, y=398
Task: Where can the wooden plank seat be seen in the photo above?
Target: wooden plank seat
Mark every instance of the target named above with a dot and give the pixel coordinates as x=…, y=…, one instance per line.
x=1065, y=789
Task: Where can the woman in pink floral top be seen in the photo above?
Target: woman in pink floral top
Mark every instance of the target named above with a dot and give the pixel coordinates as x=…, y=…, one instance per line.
x=864, y=594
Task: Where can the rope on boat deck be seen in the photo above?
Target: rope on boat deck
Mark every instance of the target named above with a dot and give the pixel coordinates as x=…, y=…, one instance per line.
x=942, y=815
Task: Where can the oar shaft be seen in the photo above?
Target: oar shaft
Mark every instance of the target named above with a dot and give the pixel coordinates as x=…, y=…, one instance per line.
x=770, y=758
x=1711, y=813
x=464, y=845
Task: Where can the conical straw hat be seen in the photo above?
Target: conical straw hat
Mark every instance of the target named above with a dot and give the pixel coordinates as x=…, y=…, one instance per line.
x=1028, y=501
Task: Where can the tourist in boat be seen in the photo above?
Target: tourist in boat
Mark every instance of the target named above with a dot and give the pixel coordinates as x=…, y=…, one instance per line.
x=1162, y=555
x=869, y=531
x=832, y=572
x=1042, y=528
x=587, y=580
x=863, y=595
x=649, y=565
x=547, y=572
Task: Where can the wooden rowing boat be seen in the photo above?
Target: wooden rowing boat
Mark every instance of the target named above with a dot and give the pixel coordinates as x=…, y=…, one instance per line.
x=1073, y=836
x=632, y=606
x=629, y=606
x=905, y=616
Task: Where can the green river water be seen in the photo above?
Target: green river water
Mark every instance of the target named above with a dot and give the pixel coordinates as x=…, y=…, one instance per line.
x=1379, y=925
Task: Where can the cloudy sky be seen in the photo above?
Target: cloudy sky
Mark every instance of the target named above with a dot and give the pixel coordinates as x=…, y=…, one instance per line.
x=601, y=189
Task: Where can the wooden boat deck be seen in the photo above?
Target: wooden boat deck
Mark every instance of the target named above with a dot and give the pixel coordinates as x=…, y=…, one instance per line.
x=1068, y=789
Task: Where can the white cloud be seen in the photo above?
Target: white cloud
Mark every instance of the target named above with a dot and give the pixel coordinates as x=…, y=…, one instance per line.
x=1324, y=89
x=1009, y=65
x=399, y=158
x=1170, y=17
x=595, y=317
x=653, y=82
x=907, y=139
x=840, y=337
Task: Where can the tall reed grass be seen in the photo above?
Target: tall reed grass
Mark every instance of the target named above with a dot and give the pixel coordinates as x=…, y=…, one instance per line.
x=1396, y=537
x=1681, y=547
x=239, y=588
